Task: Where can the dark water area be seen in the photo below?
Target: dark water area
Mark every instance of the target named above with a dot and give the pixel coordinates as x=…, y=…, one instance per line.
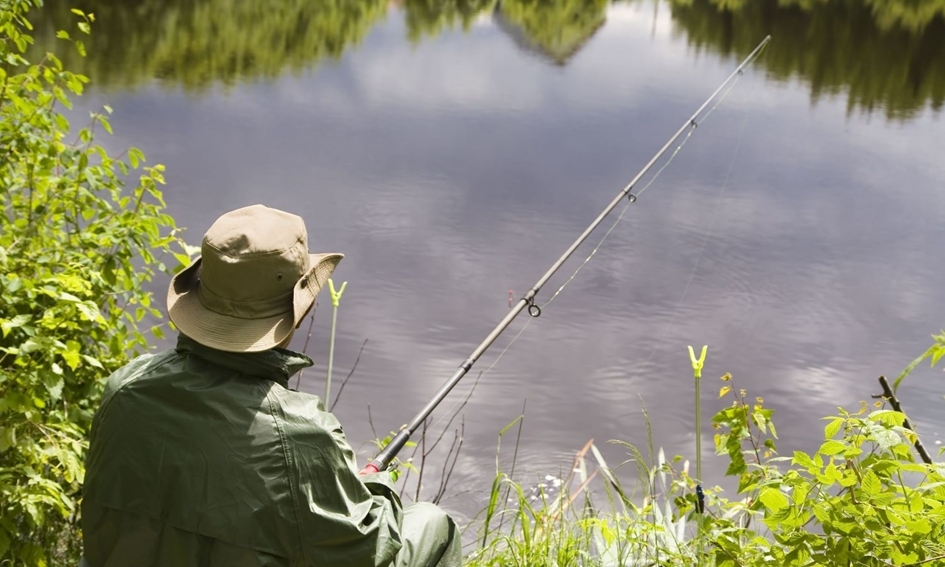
x=453, y=151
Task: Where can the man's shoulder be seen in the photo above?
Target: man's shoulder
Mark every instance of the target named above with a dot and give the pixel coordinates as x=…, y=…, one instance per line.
x=302, y=409
x=134, y=370
x=163, y=375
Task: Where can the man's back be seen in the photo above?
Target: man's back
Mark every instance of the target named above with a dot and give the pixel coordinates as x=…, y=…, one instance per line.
x=201, y=457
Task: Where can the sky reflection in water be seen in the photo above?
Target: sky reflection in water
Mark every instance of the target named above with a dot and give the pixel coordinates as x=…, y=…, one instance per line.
x=800, y=241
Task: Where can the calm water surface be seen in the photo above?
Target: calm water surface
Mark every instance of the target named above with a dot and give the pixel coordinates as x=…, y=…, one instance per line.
x=454, y=155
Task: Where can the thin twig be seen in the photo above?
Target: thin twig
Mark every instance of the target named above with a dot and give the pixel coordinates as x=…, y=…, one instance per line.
x=446, y=474
x=458, y=410
x=423, y=459
x=929, y=560
x=345, y=381
x=889, y=395
x=371, y=422
x=443, y=431
x=410, y=459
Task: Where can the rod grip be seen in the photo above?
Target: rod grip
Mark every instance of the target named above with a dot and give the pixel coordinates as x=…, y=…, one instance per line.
x=386, y=456
x=370, y=468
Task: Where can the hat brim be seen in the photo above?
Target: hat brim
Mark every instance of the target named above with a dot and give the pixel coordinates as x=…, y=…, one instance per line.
x=236, y=334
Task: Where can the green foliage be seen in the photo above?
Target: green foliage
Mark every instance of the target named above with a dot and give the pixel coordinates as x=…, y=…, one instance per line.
x=76, y=251
x=933, y=354
x=196, y=44
x=860, y=499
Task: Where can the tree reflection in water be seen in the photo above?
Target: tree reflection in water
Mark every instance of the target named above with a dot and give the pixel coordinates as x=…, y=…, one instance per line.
x=886, y=55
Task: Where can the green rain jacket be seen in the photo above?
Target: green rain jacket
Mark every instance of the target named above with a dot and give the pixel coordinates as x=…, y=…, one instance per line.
x=203, y=457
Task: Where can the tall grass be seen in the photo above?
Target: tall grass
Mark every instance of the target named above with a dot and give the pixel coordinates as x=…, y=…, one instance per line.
x=587, y=518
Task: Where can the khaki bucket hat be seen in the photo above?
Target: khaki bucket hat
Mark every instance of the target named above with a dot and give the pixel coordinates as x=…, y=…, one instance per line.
x=253, y=283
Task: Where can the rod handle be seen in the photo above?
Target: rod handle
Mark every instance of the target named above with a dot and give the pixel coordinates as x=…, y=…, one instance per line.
x=370, y=468
x=386, y=456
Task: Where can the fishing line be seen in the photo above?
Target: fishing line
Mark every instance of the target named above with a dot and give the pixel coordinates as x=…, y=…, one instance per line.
x=709, y=233
x=692, y=128
x=623, y=211
x=527, y=302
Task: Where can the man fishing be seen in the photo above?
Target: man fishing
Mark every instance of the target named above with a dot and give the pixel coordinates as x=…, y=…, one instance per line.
x=202, y=456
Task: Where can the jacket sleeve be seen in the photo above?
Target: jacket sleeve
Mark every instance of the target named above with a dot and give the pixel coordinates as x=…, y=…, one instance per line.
x=344, y=519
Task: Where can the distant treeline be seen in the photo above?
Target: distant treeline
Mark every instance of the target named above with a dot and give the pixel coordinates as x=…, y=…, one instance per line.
x=885, y=55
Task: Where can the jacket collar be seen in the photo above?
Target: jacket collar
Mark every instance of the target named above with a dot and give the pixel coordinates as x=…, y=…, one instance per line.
x=276, y=364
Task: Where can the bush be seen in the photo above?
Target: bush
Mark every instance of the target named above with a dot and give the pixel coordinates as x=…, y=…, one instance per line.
x=77, y=249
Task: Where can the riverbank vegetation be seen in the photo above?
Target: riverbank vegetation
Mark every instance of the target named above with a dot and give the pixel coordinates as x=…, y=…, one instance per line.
x=863, y=498
x=82, y=233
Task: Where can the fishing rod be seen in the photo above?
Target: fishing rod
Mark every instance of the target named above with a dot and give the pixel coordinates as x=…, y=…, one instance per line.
x=386, y=456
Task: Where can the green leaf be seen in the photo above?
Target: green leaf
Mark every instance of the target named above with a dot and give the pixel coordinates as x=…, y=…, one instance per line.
x=888, y=417
x=919, y=526
x=911, y=366
x=885, y=438
x=135, y=156
x=94, y=362
x=7, y=440
x=804, y=460
x=71, y=354
x=831, y=448
x=871, y=483
x=61, y=122
x=848, y=478
x=7, y=325
x=773, y=499
x=54, y=385
x=759, y=420
x=822, y=512
x=90, y=312
x=833, y=473
x=832, y=428
x=105, y=123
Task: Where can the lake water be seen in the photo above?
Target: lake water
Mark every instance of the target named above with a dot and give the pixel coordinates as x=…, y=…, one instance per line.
x=453, y=151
